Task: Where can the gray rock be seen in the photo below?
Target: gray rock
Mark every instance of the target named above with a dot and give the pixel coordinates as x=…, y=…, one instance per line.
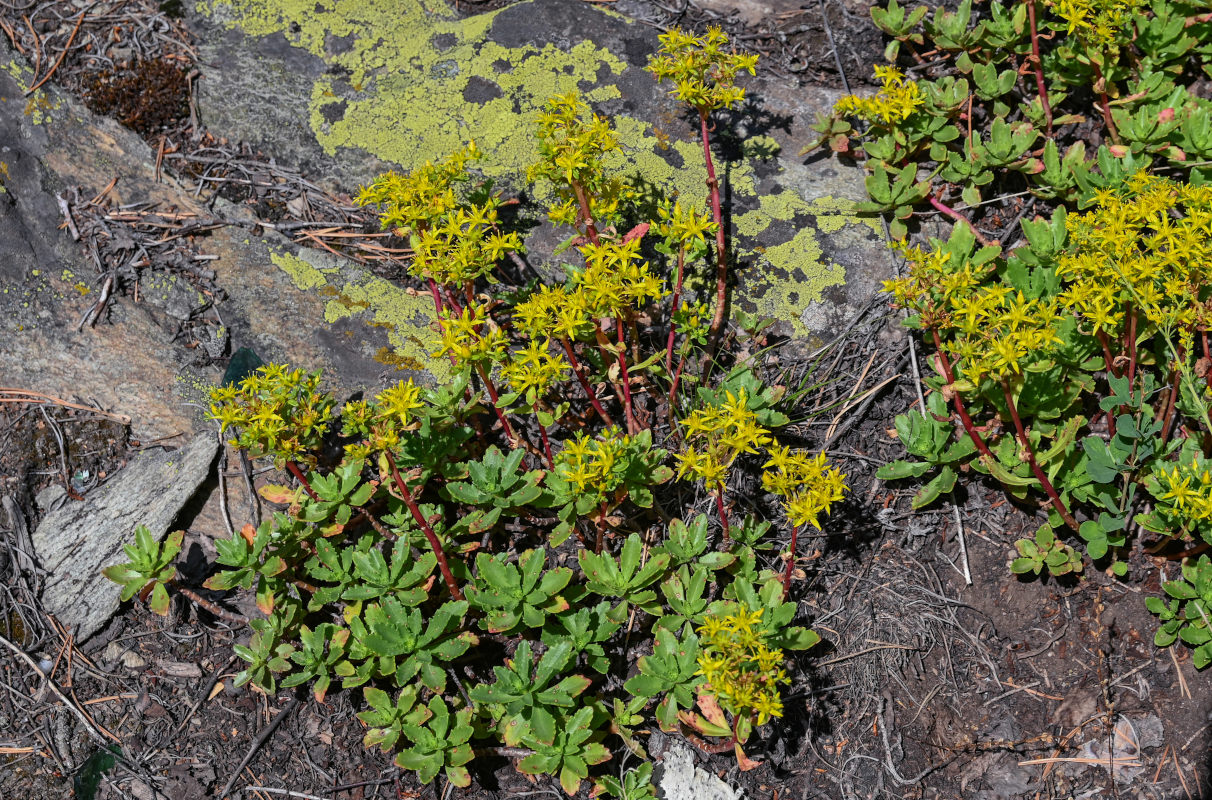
x=346, y=93
x=131, y=362
x=677, y=778
x=77, y=540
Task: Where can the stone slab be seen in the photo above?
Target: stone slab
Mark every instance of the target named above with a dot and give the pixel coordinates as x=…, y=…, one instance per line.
x=362, y=85
x=77, y=539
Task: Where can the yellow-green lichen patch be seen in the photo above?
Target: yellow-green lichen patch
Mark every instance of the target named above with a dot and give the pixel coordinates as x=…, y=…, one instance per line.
x=406, y=316
x=834, y=213
x=38, y=106
x=790, y=277
x=424, y=114
x=303, y=274
x=410, y=82
x=409, y=71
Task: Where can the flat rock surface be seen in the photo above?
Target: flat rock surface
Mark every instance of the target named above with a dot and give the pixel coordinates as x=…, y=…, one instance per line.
x=677, y=778
x=77, y=539
x=358, y=87
x=133, y=361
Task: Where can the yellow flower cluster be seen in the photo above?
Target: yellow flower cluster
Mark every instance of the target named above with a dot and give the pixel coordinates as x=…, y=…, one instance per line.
x=1184, y=494
x=809, y=484
x=1097, y=22
x=454, y=242
x=572, y=145
x=684, y=225
x=997, y=329
x=715, y=436
x=896, y=101
x=463, y=246
x=988, y=329
x=376, y=424
x=615, y=279
x=534, y=370
x=933, y=280
x=1148, y=247
x=702, y=70
x=740, y=668
x=552, y=311
x=413, y=201
x=589, y=464
x=278, y=411
x=472, y=337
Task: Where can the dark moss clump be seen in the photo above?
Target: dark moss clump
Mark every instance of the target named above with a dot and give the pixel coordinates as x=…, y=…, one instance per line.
x=149, y=98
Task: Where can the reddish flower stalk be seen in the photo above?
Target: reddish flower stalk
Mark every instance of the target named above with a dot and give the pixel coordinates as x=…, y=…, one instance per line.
x=960, y=409
x=948, y=211
x=677, y=296
x=721, y=250
x=492, y=395
x=1168, y=415
x=606, y=351
x=546, y=444
x=1108, y=359
x=591, y=229
x=579, y=371
x=1037, y=63
x=795, y=533
x=437, y=298
x=434, y=544
x=628, y=411
x=673, y=390
x=597, y=545
x=1131, y=346
x=1103, y=103
x=719, y=505
x=1025, y=443
x=452, y=302
x=293, y=469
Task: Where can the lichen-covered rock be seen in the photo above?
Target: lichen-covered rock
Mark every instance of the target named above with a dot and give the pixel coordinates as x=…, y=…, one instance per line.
x=361, y=85
x=78, y=538
x=132, y=361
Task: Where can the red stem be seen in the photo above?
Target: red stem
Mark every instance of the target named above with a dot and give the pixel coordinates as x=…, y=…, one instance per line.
x=628, y=412
x=958, y=217
x=1169, y=415
x=437, y=298
x=591, y=229
x=795, y=532
x=492, y=395
x=1109, y=361
x=677, y=378
x=1057, y=503
x=1039, y=69
x=1107, y=357
x=597, y=545
x=546, y=445
x=293, y=469
x=580, y=373
x=960, y=409
x=450, y=300
x=1103, y=103
x=677, y=296
x=721, y=250
x=434, y=544
x=719, y=504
